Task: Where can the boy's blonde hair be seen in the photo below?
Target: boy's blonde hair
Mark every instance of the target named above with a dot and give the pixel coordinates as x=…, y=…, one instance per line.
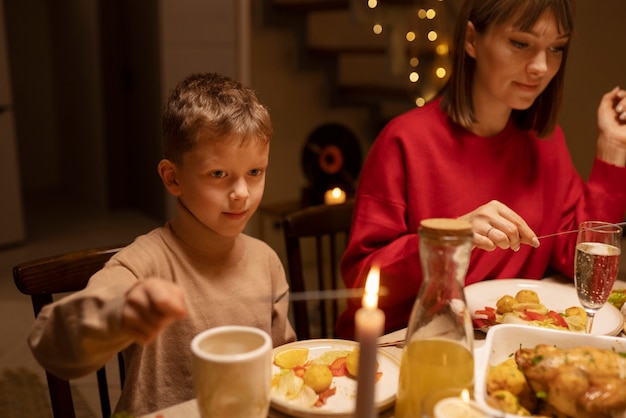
x=211, y=106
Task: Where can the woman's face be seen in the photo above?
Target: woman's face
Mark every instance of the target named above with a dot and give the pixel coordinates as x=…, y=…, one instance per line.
x=513, y=67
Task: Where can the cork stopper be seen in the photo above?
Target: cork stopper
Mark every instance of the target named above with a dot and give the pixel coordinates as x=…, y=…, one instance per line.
x=445, y=227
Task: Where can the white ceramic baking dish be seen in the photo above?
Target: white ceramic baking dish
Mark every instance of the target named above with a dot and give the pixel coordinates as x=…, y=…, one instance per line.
x=504, y=340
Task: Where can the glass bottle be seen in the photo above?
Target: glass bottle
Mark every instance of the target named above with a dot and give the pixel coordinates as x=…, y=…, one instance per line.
x=438, y=353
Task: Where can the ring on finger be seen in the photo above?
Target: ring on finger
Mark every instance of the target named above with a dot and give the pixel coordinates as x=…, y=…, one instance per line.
x=488, y=231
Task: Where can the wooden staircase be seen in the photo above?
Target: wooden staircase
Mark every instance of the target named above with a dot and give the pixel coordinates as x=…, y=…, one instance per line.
x=362, y=68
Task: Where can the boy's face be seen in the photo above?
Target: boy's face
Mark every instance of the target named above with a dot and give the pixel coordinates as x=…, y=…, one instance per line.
x=221, y=183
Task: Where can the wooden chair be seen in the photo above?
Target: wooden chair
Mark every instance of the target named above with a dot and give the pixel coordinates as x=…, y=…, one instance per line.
x=70, y=272
x=328, y=226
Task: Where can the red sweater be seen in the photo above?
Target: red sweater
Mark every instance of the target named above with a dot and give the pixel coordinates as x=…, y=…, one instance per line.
x=422, y=165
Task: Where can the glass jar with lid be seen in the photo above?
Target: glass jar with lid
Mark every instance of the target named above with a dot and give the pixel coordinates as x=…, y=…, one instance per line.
x=438, y=353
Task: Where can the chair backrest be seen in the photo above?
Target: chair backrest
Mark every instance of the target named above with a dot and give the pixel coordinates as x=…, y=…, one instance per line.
x=328, y=226
x=70, y=272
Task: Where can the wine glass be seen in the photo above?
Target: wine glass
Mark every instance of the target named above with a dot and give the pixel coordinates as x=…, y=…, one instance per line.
x=596, y=265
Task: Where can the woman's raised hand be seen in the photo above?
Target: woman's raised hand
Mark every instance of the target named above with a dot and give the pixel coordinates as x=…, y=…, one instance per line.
x=611, y=145
x=496, y=225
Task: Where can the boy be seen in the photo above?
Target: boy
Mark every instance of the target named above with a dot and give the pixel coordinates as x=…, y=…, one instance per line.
x=196, y=272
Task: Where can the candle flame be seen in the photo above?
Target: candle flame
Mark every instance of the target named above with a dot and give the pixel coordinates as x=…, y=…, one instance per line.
x=334, y=196
x=370, y=298
x=465, y=396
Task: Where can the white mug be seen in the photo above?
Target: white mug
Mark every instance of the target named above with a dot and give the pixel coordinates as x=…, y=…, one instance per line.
x=232, y=371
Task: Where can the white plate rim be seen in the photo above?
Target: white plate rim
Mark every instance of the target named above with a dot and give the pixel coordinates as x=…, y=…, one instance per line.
x=608, y=321
x=388, y=364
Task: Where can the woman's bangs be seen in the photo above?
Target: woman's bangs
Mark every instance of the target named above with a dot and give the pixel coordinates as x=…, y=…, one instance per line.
x=529, y=12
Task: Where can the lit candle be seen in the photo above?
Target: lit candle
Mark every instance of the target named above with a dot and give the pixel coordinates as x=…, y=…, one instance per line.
x=369, y=322
x=334, y=196
x=459, y=407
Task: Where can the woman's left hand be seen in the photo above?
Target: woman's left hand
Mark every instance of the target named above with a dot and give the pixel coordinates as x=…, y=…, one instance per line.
x=611, y=145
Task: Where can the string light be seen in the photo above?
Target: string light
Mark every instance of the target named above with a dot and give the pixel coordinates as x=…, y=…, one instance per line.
x=426, y=39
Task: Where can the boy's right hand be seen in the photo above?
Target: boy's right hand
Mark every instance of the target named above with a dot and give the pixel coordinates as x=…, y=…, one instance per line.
x=150, y=306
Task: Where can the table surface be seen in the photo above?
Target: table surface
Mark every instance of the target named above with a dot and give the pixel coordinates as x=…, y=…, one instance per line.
x=189, y=409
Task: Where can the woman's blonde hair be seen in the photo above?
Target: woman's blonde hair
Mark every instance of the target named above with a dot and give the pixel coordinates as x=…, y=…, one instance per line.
x=543, y=114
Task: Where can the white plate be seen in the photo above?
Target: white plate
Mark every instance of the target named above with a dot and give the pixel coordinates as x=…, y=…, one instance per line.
x=342, y=403
x=555, y=296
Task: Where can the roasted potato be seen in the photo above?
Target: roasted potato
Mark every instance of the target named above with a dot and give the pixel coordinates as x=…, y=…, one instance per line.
x=575, y=311
x=527, y=296
x=505, y=304
x=507, y=379
x=507, y=402
x=352, y=363
x=506, y=376
x=318, y=377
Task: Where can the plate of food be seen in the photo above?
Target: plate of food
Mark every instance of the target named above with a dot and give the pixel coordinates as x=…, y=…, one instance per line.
x=529, y=371
x=318, y=378
x=538, y=303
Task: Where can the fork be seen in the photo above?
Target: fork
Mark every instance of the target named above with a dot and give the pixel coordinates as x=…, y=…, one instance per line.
x=396, y=343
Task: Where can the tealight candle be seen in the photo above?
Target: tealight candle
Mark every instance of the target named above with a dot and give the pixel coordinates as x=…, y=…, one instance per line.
x=369, y=323
x=459, y=407
x=334, y=196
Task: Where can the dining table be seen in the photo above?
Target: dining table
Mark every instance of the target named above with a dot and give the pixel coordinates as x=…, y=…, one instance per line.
x=392, y=344
x=189, y=409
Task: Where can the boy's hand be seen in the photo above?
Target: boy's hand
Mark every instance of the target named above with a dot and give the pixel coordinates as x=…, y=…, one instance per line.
x=150, y=306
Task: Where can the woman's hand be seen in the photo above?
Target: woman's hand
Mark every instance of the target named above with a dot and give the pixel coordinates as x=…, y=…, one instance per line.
x=496, y=225
x=611, y=145
x=150, y=306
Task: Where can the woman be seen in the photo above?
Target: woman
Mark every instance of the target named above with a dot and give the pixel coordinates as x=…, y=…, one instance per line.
x=489, y=151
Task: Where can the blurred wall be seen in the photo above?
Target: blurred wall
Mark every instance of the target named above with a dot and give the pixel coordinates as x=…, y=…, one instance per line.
x=59, y=95
x=597, y=63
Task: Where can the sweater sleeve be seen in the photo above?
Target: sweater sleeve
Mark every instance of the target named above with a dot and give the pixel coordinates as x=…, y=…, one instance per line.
x=79, y=333
x=602, y=197
x=380, y=235
x=282, y=331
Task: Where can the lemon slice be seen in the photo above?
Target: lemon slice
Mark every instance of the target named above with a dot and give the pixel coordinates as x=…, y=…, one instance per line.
x=288, y=359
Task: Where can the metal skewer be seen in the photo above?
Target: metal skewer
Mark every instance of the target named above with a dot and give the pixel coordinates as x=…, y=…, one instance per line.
x=573, y=231
x=331, y=294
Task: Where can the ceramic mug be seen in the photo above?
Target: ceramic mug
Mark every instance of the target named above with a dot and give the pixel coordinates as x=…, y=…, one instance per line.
x=232, y=371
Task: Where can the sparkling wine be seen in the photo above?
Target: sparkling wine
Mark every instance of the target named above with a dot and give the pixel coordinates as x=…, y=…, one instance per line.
x=596, y=269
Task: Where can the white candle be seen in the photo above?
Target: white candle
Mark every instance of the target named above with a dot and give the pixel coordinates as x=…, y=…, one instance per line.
x=370, y=323
x=334, y=196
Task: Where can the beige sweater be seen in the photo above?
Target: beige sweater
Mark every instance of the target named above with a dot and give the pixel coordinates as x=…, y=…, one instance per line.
x=237, y=281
